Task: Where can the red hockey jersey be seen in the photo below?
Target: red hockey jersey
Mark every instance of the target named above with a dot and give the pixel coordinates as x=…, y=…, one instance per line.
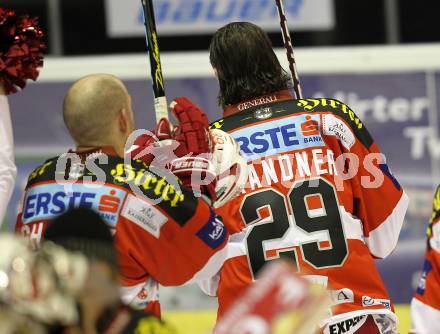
x=425, y=306
x=319, y=193
x=162, y=234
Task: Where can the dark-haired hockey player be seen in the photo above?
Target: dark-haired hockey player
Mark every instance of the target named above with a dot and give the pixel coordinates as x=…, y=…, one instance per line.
x=319, y=192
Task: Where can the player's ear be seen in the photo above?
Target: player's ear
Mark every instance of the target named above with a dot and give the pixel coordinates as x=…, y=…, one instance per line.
x=123, y=120
x=215, y=72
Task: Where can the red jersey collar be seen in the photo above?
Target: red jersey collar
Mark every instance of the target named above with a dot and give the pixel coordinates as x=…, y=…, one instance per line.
x=282, y=95
x=108, y=150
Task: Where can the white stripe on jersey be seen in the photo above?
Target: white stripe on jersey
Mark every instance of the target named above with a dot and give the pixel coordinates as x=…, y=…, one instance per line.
x=383, y=239
x=139, y=295
x=212, y=267
x=424, y=318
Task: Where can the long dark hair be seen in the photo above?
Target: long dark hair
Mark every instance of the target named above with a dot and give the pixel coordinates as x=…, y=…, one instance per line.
x=246, y=65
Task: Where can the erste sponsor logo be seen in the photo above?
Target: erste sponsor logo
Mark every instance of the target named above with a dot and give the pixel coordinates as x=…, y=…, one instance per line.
x=279, y=136
x=46, y=201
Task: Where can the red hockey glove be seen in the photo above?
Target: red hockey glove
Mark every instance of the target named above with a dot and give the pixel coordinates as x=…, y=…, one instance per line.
x=192, y=132
x=186, y=151
x=151, y=147
x=193, y=163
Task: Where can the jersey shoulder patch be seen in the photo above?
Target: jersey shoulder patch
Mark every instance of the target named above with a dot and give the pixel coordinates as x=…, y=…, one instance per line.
x=43, y=172
x=340, y=109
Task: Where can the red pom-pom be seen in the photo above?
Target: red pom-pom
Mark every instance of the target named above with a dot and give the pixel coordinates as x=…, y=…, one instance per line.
x=21, y=50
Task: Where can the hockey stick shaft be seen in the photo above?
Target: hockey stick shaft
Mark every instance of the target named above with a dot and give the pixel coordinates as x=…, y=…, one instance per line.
x=289, y=49
x=160, y=101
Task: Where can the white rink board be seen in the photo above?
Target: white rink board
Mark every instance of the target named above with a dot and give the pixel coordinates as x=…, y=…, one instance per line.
x=323, y=60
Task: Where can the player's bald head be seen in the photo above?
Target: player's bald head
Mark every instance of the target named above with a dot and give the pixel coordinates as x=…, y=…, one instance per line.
x=91, y=106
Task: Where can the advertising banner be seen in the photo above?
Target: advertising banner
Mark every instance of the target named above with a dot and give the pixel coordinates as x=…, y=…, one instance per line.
x=125, y=18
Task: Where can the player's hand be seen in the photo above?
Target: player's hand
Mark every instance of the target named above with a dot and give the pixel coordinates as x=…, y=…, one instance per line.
x=148, y=147
x=192, y=131
x=193, y=163
x=186, y=151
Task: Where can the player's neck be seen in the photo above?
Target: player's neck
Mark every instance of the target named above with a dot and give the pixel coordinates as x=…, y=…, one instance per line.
x=106, y=149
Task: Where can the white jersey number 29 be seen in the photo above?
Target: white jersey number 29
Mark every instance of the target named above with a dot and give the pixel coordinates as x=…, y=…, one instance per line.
x=326, y=218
